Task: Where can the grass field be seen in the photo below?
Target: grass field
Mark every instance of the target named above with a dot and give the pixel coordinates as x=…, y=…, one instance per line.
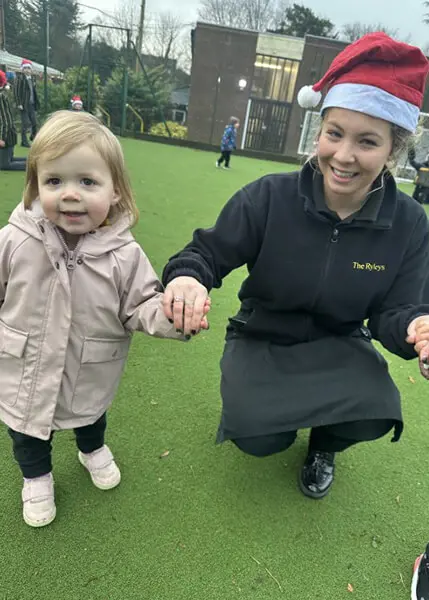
x=207, y=522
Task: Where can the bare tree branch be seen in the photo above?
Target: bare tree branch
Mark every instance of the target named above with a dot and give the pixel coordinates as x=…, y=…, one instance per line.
x=258, y=15
x=353, y=31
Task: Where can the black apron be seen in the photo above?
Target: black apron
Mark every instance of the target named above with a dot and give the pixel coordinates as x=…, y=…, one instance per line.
x=267, y=388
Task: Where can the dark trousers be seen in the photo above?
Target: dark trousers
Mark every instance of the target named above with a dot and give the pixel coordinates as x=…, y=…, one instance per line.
x=225, y=157
x=34, y=456
x=9, y=163
x=28, y=122
x=331, y=438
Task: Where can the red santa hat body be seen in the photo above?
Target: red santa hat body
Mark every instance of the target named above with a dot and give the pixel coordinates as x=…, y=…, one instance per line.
x=76, y=102
x=3, y=81
x=375, y=75
x=26, y=64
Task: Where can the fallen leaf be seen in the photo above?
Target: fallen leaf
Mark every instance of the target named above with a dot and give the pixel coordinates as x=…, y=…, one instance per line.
x=412, y=380
x=165, y=454
x=154, y=403
x=350, y=588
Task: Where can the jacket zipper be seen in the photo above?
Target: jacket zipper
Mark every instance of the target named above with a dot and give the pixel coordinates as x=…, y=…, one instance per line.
x=70, y=255
x=335, y=234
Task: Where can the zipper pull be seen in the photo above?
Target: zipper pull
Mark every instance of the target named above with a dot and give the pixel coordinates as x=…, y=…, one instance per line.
x=70, y=261
x=335, y=235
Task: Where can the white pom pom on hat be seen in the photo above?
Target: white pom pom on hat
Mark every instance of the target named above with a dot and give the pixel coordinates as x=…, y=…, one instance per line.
x=308, y=97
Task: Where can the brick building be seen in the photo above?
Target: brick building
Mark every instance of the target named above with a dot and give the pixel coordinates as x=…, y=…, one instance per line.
x=256, y=77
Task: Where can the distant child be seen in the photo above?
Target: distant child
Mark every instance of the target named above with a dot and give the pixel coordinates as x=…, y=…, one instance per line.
x=76, y=104
x=229, y=142
x=74, y=286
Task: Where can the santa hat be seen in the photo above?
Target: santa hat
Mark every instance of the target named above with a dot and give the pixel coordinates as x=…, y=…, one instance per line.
x=26, y=63
x=3, y=81
x=375, y=75
x=76, y=101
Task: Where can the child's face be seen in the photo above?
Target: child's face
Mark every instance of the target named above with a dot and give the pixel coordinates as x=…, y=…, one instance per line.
x=76, y=190
x=236, y=125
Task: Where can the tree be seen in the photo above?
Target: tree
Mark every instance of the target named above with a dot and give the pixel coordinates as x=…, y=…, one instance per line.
x=167, y=32
x=168, y=37
x=426, y=16
x=127, y=13
x=14, y=25
x=353, y=31
x=139, y=95
x=64, y=24
x=105, y=59
x=258, y=15
x=300, y=20
x=74, y=82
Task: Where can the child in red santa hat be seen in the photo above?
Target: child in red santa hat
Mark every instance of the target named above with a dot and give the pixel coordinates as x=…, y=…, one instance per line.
x=76, y=103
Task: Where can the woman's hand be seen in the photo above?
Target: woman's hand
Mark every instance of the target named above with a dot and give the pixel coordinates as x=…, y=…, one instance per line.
x=186, y=303
x=418, y=334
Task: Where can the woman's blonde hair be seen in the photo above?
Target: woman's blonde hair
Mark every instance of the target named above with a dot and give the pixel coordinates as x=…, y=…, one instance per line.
x=64, y=131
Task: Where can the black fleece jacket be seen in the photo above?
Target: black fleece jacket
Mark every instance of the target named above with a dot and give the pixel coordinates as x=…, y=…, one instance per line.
x=312, y=275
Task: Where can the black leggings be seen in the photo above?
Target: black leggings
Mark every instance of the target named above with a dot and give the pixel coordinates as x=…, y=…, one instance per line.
x=225, y=156
x=34, y=456
x=331, y=438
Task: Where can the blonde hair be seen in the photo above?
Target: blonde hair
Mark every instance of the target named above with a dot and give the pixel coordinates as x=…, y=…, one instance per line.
x=65, y=130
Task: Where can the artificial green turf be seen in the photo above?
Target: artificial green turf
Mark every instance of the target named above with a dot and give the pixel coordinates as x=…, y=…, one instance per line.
x=208, y=522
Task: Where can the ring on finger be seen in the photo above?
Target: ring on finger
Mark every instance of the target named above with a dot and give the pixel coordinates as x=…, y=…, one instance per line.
x=178, y=298
x=189, y=302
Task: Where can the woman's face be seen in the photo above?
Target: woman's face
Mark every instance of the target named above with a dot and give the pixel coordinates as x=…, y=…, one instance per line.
x=352, y=150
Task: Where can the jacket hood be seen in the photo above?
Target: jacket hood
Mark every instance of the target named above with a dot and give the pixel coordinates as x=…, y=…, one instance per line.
x=100, y=241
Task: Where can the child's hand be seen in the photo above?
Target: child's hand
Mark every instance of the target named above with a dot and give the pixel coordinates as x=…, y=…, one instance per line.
x=204, y=322
x=418, y=334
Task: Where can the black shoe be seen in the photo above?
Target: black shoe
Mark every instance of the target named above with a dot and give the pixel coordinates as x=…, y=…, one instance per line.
x=25, y=145
x=420, y=584
x=317, y=474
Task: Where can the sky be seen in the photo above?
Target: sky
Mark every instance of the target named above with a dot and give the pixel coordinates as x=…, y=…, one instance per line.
x=404, y=15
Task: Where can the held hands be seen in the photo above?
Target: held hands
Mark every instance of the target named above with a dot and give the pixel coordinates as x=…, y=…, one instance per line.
x=186, y=304
x=418, y=334
x=2, y=144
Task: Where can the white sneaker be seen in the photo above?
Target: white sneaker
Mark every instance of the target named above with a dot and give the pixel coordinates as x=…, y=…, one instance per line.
x=39, y=501
x=217, y=164
x=102, y=467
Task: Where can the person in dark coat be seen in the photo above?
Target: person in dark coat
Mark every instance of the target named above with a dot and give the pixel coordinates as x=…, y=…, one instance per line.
x=421, y=193
x=228, y=143
x=336, y=255
x=27, y=101
x=8, y=135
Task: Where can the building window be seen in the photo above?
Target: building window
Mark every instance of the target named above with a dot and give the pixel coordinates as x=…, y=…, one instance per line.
x=274, y=78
